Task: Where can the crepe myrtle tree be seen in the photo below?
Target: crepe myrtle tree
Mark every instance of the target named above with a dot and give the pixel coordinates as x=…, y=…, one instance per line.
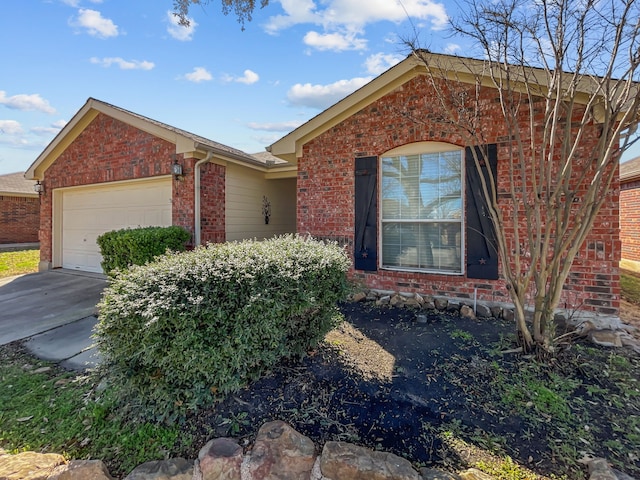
x=564, y=71
x=243, y=9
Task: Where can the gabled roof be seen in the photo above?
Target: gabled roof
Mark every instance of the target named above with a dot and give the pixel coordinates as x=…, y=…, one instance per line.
x=451, y=67
x=185, y=142
x=630, y=170
x=14, y=184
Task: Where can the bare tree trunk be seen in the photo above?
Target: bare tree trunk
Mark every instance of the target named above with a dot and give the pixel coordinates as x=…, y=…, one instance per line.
x=583, y=85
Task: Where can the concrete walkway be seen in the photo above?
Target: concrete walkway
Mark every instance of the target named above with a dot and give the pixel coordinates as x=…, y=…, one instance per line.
x=54, y=313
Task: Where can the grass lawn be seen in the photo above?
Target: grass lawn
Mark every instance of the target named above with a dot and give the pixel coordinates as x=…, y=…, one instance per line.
x=19, y=262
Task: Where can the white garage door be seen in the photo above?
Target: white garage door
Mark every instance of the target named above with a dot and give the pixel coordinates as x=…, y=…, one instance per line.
x=89, y=212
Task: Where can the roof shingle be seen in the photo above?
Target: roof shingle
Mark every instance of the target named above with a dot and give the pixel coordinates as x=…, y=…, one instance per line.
x=15, y=183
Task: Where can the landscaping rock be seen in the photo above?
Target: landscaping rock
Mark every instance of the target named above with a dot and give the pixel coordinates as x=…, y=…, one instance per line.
x=631, y=342
x=396, y=301
x=599, y=470
x=453, y=307
x=344, y=461
x=429, y=304
x=508, y=315
x=385, y=300
x=605, y=338
x=412, y=302
x=81, y=470
x=496, y=311
x=440, y=303
x=173, y=469
x=475, y=474
x=280, y=452
x=433, y=474
x=29, y=465
x=482, y=311
x=359, y=297
x=467, y=312
x=220, y=459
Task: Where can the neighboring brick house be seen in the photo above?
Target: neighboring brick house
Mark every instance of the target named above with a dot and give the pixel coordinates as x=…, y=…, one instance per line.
x=630, y=209
x=19, y=209
x=384, y=173
x=110, y=168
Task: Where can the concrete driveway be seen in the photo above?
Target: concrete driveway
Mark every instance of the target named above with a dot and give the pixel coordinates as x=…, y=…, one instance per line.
x=54, y=312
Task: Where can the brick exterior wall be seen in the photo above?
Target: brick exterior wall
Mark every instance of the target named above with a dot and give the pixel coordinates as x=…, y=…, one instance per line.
x=212, y=203
x=19, y=219
x=326, y=197
x=109, y=150
x=630, y=220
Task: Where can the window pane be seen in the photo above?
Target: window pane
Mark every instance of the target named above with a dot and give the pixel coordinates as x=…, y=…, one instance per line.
x=421, y=187
x=430, y=246
x=423, y=194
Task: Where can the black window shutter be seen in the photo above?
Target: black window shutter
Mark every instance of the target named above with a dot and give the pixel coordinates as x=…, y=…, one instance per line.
x=365, y=245
x=482, y=253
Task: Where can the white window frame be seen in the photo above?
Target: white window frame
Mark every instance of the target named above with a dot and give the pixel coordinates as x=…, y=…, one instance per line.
x=418, y=148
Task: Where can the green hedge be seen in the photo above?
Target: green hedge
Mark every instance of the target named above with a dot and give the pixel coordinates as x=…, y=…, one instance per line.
x=137, y=246
x=191, y=327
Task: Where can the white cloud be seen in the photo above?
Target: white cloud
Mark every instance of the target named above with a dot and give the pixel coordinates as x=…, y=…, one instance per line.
x=199, y=74
x=353, y=15
x=381, y=62
x=75, y=3
x=451, y=48
x=122, y=63
x=337, y=42
x=180, y=32
x=33, y=102
x=95, y=24
x=12, y=134
x=53, y=129
x=10, y=127
x=323, y=96
x=275, y=126
x=250, y=77
x=297, y=12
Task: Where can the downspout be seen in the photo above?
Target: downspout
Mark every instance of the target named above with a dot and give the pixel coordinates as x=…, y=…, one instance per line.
x=197, y=195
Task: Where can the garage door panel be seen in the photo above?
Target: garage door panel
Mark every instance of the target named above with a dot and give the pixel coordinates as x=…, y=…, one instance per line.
x=88, y=213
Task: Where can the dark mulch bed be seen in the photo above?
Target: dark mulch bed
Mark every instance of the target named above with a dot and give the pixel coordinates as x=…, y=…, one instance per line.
x=432, y=392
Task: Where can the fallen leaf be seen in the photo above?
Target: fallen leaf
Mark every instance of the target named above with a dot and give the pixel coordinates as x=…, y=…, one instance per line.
x=24, y=419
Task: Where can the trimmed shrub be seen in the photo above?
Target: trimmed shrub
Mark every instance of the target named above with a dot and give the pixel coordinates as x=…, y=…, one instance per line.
x=137, y=246
x=182, y=331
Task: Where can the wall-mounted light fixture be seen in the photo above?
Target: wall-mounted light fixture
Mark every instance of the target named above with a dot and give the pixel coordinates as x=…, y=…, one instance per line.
x=176, y=169
x=39, y=187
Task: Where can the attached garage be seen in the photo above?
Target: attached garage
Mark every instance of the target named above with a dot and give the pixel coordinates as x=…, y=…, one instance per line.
x=110, y=168
x=88, y=212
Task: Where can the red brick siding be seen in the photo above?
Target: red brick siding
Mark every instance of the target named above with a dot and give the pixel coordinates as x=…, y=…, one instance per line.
x=19, y=219
x=109, y=150
x=212, y=201
x=630, y=220
x=183, y=206
x=326, y=196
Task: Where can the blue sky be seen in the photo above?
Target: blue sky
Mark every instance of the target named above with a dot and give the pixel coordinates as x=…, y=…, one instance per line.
x=245, y=88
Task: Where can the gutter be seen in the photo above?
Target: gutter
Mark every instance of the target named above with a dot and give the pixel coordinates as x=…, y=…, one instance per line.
x=230, y=155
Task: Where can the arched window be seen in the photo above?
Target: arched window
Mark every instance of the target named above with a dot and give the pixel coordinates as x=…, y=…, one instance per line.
x=422, y=208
